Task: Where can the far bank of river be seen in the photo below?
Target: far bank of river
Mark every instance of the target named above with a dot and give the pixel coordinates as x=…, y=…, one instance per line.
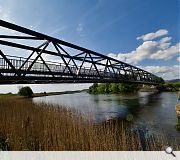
x=151, y=112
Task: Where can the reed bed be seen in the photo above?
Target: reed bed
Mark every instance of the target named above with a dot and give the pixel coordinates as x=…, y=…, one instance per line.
x=28, y=126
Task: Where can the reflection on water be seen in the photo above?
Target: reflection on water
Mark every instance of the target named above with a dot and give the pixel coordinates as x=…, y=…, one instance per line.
x=153, y=109
x=102, y=107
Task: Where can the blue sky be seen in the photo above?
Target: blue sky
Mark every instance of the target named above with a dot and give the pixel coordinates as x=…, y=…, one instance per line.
x=108, y=27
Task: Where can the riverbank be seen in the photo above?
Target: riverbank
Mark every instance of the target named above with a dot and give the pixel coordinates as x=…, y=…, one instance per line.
x=178, y=109
x=56, y=93
x=29, y=126
x=110, y=88
x=178, y=116
x=148, y=90
x=41, y=94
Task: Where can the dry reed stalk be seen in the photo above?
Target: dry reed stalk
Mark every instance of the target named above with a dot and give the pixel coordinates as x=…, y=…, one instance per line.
x=28, y=126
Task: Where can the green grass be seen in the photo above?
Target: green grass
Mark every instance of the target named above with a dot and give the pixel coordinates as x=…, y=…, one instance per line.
x=65, y=92
x=42, y=93
x=8, y=94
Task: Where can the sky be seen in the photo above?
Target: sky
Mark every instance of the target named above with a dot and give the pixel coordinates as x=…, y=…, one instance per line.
x=144, y=33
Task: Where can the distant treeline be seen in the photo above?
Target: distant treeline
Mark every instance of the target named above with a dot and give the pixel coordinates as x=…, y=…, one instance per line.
x=130, y=87
x=169, y=86
x=113, y=88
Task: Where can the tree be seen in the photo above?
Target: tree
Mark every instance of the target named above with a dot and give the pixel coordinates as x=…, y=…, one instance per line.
x=114, y=88
x=25, y=91
x=127, y=87
x=159, y=80
x=93, y=88
x=102, y=88
x=107, y=87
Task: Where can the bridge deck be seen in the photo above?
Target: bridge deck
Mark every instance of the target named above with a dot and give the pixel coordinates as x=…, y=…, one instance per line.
x=39, y=73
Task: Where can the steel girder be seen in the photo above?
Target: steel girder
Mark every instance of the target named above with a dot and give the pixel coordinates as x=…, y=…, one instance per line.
x=84, y=66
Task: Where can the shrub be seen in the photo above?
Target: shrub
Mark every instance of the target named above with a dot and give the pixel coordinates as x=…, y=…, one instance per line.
x=114, y=88
x=25, y=91
x=93, y=88
x=102, y=88
x=128, y=87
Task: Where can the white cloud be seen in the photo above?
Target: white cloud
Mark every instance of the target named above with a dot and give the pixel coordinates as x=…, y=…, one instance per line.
x=151, y=49
x=0, y=9
x=165, y=39
x=167, y=53
x=79, y=27
x=5, y=13
x=178, y=59
x=166, y=72
x=154, y=50
x=57, y=30
x=148, y=50
x=153, y=35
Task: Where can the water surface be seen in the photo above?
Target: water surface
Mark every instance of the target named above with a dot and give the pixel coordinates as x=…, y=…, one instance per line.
x=155, y=110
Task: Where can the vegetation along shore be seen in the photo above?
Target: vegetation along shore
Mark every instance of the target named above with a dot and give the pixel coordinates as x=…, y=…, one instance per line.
x=178, y=116
x=130, y=88
x=28, y=126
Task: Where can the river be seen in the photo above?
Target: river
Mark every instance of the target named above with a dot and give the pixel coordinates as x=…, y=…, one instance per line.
x=153, y=111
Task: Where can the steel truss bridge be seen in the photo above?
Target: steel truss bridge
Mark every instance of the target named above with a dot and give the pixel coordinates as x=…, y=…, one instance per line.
x=68, y=63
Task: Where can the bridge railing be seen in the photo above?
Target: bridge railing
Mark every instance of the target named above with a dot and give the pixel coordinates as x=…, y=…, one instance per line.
x=60, y=70
x=55, y=67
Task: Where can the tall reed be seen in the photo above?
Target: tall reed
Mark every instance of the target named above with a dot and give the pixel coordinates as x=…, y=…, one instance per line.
x=28, y=126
